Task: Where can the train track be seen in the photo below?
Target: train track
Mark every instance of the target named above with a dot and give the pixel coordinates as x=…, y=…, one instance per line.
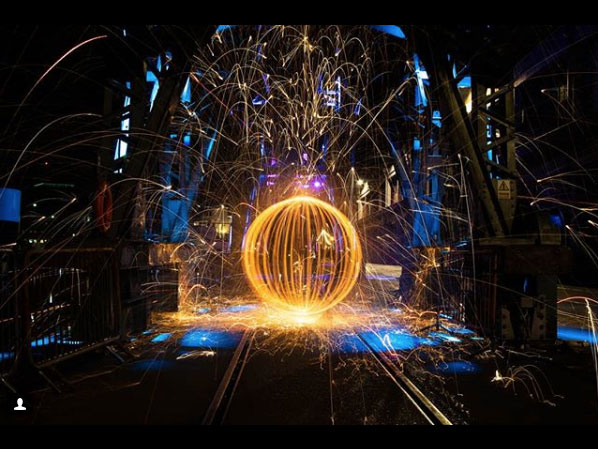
x=220, y=404
x=423, y=404
x=216, y=413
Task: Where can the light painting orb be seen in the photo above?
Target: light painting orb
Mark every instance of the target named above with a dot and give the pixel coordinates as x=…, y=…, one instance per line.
x=302, y=255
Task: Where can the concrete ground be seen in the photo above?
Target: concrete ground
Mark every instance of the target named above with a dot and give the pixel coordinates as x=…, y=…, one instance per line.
x=170, y=376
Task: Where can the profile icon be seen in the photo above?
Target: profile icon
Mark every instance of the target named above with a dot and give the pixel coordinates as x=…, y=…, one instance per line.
x=20, y=405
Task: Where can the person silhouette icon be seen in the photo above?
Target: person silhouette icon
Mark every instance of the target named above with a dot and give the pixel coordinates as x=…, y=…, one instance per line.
x=20, y=405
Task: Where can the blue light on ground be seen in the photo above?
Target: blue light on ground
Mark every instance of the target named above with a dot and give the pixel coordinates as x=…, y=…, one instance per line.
x=206, y=338
x=458, y=330
x=151, y=365
x=456, y=367
x=350, y=344
x=202, y=310
x=240, y=308
x=161, y=337
x=445, y=337
x=395, y=339
x=574, y=334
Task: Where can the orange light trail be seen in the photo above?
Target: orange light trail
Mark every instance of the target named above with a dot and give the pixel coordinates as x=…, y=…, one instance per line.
x=302, y=256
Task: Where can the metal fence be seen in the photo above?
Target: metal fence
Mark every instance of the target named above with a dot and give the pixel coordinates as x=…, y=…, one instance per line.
x=470, y=281
x=71, y=302
x=8, y=311
x=162, y=290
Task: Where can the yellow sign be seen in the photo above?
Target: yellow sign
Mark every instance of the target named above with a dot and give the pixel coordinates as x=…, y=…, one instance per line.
x=503, y=189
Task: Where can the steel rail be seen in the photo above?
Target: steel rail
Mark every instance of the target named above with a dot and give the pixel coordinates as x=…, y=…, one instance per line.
x=218, y=408
x=423, y=404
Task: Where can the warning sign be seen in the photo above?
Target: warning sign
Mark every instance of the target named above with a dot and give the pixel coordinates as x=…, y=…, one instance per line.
x=503, y=188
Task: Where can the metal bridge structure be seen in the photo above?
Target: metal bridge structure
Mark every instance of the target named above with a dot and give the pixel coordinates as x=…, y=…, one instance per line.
x=507, y=268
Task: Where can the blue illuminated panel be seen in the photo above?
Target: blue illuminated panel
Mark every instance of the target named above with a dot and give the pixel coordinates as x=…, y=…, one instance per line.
x=10, y=205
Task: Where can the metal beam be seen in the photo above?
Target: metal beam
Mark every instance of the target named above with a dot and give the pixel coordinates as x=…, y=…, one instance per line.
x=550, y=49
x=147, y=143
x=460, y=129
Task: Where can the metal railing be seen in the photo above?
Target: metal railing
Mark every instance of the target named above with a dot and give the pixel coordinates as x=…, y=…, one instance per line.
x=70, y=304
x=162, y=289
x=470, y=281
x=9, y=321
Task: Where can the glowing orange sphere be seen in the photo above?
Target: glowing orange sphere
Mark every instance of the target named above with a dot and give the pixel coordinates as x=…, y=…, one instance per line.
x=302, y=255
